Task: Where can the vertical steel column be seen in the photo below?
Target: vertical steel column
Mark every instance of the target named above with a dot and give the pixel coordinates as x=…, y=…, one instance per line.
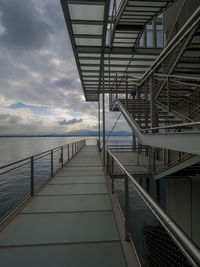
x=126, y=93
x=68, y=151
x=116, y=87
x=52, y=163
x=32, y=176
x=126, y=204
x=99, y=125
x=103, y=103
x=152, y=104
x=72, y=149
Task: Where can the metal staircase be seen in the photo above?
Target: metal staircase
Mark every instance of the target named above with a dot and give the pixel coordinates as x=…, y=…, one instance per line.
x=163, y=106
x=129, y=21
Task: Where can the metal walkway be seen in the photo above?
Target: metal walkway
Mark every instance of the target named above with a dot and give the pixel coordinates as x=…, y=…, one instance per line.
x=70, y=222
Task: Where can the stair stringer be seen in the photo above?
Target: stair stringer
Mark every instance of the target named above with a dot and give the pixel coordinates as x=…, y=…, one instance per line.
x=188, y=142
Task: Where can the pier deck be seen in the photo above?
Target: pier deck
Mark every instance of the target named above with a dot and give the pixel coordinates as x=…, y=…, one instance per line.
x=70, y=222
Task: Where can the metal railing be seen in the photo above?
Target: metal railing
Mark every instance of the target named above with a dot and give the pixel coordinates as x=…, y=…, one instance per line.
x=170, y=99
x=157, y=238
x=21, y=179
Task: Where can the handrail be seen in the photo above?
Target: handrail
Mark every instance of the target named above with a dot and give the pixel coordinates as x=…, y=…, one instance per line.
x=191, y=251
x=194, y=19
x=35, y=155
x=174, y=126
x=175, y=141
x=177, y=19
x=71, y=149
x=191, y=23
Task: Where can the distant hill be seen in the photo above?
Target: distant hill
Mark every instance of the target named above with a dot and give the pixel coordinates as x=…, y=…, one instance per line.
x=95, y=133
x=72, y=133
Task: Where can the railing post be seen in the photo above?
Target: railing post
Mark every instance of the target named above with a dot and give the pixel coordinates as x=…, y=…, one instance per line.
x=107, y=162
x=126, y=204
x=61, y=156
x=112, y=178
x=72, y=149
x=32, y=176
x=52, y=163
x=68, y=152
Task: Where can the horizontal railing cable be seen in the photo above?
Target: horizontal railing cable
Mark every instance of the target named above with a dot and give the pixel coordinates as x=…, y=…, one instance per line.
x=191, y=251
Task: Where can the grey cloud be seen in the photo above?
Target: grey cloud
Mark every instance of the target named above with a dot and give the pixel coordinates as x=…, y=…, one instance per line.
x=65, y=83
x=69, y=122
x=23, y=24
x=4, y=116
x=11, y=119
x=14, y=119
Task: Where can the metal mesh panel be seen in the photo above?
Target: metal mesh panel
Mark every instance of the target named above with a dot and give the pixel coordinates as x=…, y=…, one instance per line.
x=153, y=243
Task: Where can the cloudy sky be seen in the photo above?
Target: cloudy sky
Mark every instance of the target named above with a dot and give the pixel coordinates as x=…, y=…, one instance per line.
x=40, y=91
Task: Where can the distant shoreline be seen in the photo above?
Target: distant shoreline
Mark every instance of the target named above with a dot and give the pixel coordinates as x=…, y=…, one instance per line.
x=21, y=136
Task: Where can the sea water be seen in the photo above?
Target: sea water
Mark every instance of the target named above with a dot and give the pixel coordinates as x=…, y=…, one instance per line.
x=15, y=185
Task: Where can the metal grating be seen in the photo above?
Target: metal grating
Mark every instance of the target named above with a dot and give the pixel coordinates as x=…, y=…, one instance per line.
x=131, y=19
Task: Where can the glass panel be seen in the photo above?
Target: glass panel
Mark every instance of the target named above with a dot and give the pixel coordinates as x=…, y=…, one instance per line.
x=86, y=12
x=87, y=29
x=126, y=35
x=122, y=45
x=88, y=55
x=91, y=87
x=115, y=68
x=139, y=63
x=135, y=8
x=141, y=42
x=138, y=13
x=91, y=73
x=159, y=27
x=159, y=39
x=88, y=41
x=92, y=82
x=131, y=22
x=89, y=68
x=149, y=39
x=145, y=56
x=138, y=69
x=124, y=40
x=145, y=3
x=149, y=27
x=120, y=56
x=117, y=62
x=90, y=79
x=92, y=61
x=138, y=17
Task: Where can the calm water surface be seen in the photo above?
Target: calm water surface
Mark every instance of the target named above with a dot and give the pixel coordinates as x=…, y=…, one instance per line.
x=15, y=185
